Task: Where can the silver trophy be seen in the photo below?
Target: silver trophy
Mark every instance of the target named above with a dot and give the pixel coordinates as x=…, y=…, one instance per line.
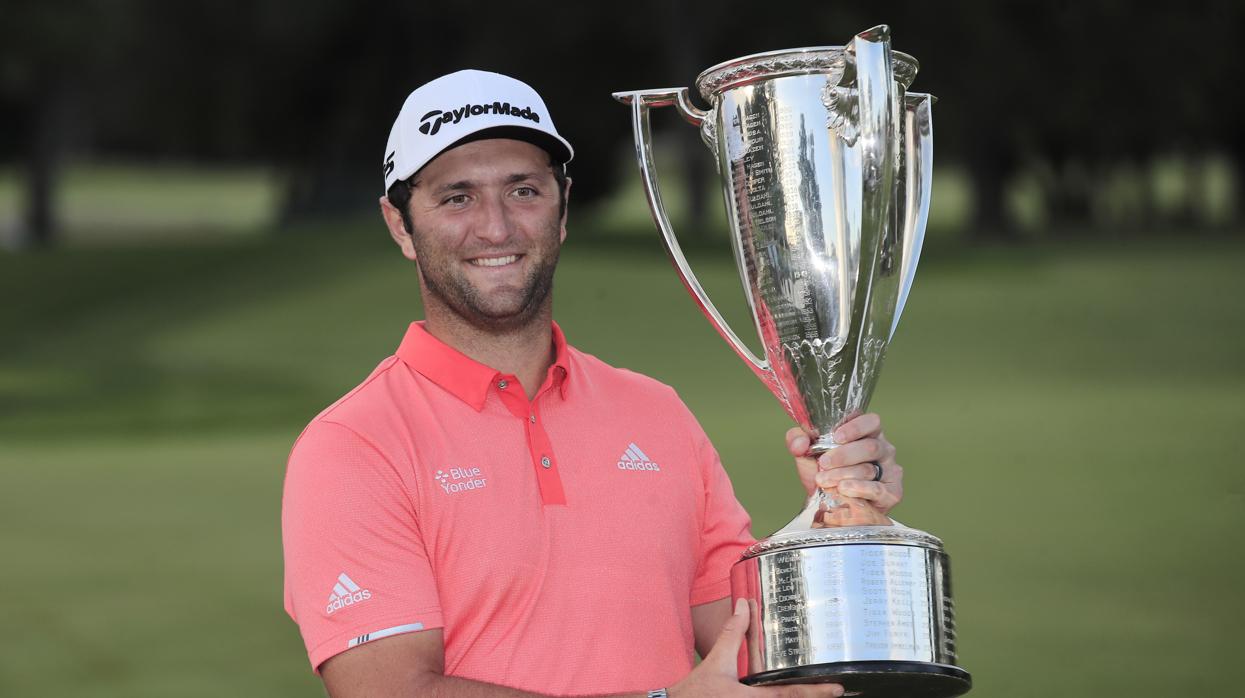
x=825, y=161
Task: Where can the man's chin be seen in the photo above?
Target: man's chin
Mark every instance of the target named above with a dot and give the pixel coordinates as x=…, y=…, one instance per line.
x=503, y=316
x=502, y=322
x=503, y=309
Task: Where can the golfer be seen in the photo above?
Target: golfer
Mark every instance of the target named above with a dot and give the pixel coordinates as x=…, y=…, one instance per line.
x=493, y=512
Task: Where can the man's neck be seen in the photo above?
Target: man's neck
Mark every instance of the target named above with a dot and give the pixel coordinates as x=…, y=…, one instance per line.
x=525, y=352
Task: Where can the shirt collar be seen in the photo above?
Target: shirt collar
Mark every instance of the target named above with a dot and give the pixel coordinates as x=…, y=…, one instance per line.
x=464, y=377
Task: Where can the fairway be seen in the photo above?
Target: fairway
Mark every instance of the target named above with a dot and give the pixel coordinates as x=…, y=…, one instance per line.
x=1069, y=417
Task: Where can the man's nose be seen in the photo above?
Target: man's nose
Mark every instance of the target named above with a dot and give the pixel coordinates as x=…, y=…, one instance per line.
x=495, y=223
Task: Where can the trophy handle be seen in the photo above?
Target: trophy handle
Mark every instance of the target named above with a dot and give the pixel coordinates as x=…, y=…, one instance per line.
x=641, y=101
x=918, y=177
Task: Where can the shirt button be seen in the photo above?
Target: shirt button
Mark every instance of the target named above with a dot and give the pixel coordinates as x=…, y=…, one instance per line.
x=502, y=384
x=546, y=462
x=532, y=418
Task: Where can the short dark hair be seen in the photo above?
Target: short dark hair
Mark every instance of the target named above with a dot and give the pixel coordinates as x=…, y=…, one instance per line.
x=400, y=193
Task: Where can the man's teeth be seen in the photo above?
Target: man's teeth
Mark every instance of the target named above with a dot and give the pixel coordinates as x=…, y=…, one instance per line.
x=495, y=261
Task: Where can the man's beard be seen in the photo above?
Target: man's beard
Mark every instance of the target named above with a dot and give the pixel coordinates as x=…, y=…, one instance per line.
x=453, y=290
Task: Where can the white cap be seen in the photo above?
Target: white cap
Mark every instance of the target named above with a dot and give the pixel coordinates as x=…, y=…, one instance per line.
x=461, y=106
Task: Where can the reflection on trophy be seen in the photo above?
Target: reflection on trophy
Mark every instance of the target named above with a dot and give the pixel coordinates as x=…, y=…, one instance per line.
x=825, y=163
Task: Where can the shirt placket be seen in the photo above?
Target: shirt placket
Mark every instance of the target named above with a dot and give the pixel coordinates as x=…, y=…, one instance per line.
x=540, y=448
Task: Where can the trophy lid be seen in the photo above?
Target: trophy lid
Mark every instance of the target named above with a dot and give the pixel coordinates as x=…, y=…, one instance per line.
x=845, y=535
x=792, y=61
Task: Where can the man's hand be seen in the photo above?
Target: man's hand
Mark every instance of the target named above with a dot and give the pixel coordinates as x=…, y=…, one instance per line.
x=716, y=676
x=848, y=473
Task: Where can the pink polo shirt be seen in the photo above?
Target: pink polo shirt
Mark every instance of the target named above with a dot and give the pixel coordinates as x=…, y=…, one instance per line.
x=559, y=543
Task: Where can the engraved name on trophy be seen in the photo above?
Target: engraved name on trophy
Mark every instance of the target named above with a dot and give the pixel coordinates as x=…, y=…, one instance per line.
x=825, y=165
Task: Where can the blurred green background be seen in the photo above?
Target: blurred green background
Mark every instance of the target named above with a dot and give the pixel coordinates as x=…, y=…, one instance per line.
x=191, y=268
x=1069, y=416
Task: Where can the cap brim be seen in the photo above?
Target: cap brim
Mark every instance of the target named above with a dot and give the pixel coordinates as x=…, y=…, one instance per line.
x=556, y=148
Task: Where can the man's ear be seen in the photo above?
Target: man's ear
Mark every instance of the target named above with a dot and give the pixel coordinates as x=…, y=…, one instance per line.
x=397, y=229
x=566, y=206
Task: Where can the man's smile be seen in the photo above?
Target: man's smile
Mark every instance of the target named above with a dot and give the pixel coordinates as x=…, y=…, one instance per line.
x=500, y=261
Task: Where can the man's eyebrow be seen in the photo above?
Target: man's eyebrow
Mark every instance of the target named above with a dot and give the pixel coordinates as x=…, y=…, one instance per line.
x=469, y=184
x=461, y=184
x=519, y=177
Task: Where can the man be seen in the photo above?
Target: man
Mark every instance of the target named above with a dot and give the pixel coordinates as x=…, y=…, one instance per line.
x=493, y=512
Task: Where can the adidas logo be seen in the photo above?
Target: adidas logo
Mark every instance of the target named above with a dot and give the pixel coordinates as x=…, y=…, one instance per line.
x=345, y=593
x=634, y=459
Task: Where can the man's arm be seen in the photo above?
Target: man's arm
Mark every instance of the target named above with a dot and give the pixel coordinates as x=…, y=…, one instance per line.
x=707, y=622
x=412, y=664
x=847, y=470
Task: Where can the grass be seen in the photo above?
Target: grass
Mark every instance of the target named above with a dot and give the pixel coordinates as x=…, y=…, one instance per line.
x=110, y=202
x=1069, y=417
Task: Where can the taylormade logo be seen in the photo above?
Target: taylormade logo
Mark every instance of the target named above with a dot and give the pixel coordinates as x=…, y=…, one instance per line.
x=431, y=122
x=345, y=593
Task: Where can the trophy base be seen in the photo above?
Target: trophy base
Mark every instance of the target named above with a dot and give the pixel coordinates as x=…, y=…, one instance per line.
x=868, y=607
x=875, y=679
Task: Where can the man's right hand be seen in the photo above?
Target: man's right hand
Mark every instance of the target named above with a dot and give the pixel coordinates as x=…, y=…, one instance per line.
x=716, y=675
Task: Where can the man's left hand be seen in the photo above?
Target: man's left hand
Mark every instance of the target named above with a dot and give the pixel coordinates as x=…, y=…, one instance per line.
x=848, y=470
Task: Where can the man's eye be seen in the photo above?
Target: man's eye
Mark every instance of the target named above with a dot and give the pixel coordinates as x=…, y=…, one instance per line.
x=455, y=200
x=525, y=192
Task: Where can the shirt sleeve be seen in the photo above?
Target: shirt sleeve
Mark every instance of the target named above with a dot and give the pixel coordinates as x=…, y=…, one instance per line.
x=726, y=531
x=355, y=563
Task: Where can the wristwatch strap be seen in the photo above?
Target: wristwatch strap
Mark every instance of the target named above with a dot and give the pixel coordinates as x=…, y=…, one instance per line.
x=658, y=693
